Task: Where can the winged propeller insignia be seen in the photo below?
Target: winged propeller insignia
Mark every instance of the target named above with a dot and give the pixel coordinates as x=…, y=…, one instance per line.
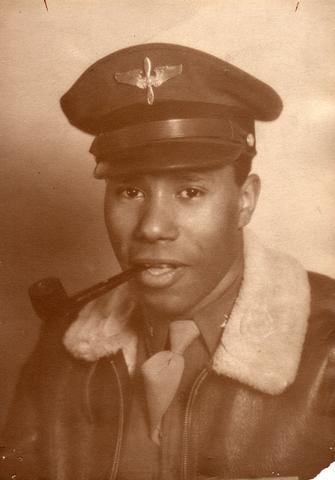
x=145, y=80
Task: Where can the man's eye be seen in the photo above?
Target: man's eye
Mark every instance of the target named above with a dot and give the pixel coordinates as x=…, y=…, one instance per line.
x=191, y=192
x=131, y=192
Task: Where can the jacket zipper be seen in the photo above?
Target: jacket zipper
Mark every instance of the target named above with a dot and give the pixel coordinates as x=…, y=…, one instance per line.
x=188, y=421
x=116, y=459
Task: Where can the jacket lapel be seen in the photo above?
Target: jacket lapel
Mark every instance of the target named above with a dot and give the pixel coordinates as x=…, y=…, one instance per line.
x=263, y=340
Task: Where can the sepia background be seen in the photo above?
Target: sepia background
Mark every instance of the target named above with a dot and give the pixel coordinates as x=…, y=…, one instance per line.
x=51, y=207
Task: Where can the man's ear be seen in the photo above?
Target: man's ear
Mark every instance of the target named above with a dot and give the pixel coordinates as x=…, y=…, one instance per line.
x=249, y=194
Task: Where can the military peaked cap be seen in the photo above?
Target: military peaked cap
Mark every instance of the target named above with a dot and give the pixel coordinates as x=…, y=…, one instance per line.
x=162, y=106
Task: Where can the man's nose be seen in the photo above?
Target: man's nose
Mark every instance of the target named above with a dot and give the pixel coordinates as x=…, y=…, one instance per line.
x=157, y=221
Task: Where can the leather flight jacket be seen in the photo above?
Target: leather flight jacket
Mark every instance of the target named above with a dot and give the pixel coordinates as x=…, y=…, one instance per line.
x=68, y=418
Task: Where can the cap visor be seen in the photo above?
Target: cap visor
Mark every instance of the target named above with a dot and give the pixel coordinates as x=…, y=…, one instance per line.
x=168, y=156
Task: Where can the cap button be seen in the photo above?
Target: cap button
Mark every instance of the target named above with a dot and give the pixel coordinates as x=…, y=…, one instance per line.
x=250, y=140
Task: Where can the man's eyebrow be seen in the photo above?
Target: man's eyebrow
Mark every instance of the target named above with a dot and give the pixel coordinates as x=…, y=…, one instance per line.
x=191, y=177
x=126, y=178
x=183, y=176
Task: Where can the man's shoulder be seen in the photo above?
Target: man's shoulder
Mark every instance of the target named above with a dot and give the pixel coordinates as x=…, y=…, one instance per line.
x=321, y=329
x=322, y=294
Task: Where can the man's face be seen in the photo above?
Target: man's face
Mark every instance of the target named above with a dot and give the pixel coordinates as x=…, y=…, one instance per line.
x=184, y=226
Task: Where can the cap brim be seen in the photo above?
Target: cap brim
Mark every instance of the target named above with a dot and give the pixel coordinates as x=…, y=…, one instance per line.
x=168, y=156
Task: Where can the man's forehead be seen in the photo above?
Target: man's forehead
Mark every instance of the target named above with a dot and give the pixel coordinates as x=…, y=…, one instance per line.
x=203, y=176
x=177, y=175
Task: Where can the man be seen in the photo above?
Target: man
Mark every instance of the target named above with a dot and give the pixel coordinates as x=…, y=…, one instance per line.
x=217, y=359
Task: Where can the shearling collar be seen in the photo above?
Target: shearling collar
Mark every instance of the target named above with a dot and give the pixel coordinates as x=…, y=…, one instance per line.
x=262, y=343
x=263, y=340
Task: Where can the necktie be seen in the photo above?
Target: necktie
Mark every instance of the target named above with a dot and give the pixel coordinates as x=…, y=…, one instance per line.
x=163, y=371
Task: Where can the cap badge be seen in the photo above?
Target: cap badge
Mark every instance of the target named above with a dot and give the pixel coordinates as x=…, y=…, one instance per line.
x=145, y=80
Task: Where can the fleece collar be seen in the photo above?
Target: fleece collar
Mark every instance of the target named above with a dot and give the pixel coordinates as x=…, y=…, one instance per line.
x=262, y=343
x=263, y=339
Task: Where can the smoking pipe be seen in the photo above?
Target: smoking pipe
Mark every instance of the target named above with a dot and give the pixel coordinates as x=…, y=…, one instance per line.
x=50, y=300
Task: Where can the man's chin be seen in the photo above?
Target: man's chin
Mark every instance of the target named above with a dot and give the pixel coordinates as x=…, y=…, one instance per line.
x=163, y=304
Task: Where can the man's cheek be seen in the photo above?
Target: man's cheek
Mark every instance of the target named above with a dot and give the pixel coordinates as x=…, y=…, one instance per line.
x=118, y=241
x=120, y=246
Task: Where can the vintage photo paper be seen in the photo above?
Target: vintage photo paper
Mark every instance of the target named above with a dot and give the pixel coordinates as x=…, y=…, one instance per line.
x=54, y=215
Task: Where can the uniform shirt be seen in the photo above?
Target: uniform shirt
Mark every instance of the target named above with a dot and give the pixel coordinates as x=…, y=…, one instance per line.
x=141, y=458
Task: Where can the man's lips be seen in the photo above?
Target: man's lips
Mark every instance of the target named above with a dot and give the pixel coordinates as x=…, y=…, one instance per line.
x=158, y=272
x=156, y=262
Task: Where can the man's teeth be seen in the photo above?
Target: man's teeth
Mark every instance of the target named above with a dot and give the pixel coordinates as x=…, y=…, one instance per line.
x=159, y=269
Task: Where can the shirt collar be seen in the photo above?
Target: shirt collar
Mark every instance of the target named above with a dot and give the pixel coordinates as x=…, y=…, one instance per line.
x=212, y=318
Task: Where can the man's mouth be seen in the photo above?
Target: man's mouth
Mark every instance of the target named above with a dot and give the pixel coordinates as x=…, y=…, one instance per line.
x=158, y=273
x=157, y=270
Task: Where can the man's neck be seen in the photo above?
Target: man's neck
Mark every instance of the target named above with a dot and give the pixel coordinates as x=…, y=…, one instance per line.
x=235, y=272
